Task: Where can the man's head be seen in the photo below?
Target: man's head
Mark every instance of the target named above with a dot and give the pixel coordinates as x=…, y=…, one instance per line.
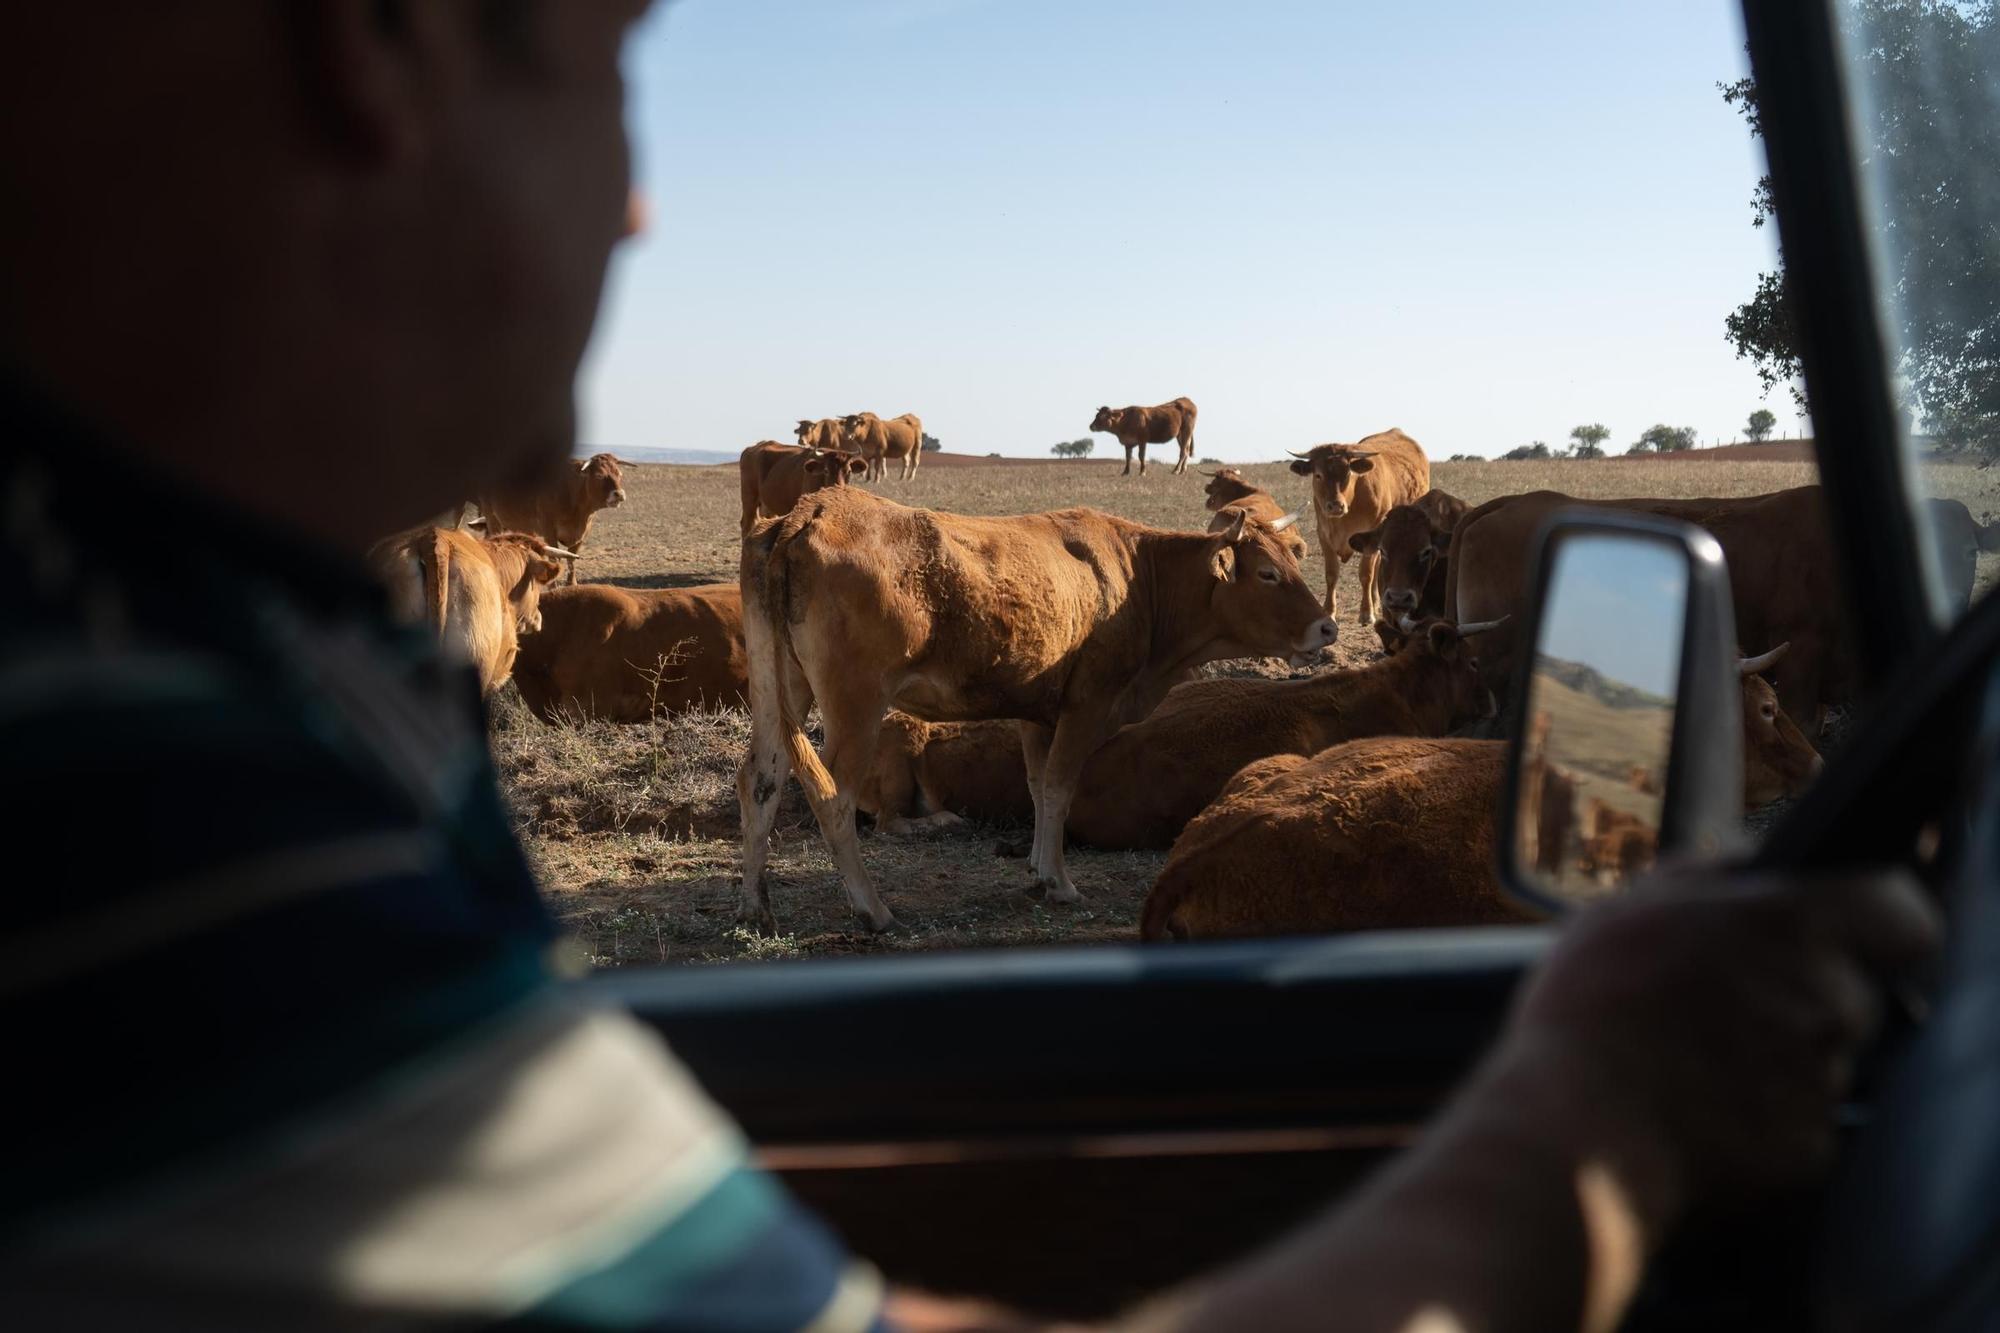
x=335, y=261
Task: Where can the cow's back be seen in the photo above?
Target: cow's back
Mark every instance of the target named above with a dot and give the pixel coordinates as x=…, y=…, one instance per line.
x=626, y=655
x=1401, y=475
x=1370, y=835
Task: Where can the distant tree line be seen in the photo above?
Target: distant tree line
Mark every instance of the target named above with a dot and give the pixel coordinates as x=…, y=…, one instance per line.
x=1587, y=442
x=1073, y=448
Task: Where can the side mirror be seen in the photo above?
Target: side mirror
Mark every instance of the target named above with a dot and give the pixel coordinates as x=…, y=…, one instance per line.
x=1627, y=719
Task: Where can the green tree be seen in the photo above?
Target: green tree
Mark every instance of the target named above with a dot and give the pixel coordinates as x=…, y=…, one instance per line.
x=1073, y=448
x=1762, y=422
x=932, y=444
x=1589, y=440
x=1927, y=126
x=1664, y=439
x=1527, y=451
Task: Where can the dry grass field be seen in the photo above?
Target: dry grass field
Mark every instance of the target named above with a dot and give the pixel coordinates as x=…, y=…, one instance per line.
x=633, y=829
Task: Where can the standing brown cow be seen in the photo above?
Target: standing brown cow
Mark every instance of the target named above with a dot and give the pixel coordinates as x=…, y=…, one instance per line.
x=559, y=511
x=630, y=654
x=877, y=440
x=1137, y=427
x=1228, y=493
x=774, y=476
x=1072, y=623
x=1354, y=488
x=477, y=594
x=822, y=434
x=1413, y=543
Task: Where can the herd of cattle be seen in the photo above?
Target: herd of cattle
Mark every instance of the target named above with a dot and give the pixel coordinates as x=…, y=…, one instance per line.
x=1042, y=667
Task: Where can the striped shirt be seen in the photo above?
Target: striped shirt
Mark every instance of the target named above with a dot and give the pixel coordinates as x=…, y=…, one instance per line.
x=277, y=980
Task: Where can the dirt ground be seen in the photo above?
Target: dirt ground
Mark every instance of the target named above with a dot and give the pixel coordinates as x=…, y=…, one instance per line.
x=633, y=828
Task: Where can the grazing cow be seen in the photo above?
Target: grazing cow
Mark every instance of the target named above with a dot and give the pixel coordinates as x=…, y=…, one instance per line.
x=1413, y=542
x=877, y=440
x=822, y=434
x=1071, y=623
x=1392, y=832
x=1354, y=487
x=775, y=475
x=478, y=594
x=1137, y=427
x=1228, y=494
x=933, y=774
x=626, y=654
x=560, y=511
x=1144, y=784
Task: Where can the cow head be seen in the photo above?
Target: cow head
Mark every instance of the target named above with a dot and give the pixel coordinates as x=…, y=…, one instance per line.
x=1778, y=760
x=1958, y=542
x=852, y=427
x=1259, y=598
x=1411, y=548
x=539, y=564
x=803, y=429
x=1106, y=419
x=1456, y=673
x=603, y=481
x=831, y=467
x=1225, y=486
x=1336, y=470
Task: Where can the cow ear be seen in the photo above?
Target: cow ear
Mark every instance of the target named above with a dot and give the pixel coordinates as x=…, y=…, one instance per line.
x=1303, y=467
x=1360, y=465
x=1223, y=562
x=1365, y=541
x=1443, y=638
x=856, y=465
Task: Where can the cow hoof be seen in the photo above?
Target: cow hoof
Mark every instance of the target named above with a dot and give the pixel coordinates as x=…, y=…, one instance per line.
x=1059, y=892
x=888, y=925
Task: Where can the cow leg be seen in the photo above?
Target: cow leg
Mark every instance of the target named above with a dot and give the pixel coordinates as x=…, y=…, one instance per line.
x=1333, y=564
x=1075, y=740
x=1128, y=462
x=1371, y=595
x=1142, y=458
x=760, y=785
x=1035, y=740
x=853, y=727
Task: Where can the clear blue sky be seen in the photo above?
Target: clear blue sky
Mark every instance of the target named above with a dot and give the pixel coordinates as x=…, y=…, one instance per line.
x=1610, y=607
x=1483, y=223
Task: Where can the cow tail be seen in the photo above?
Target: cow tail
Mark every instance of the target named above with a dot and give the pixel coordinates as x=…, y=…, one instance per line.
x=767, y=642
x=437, y=581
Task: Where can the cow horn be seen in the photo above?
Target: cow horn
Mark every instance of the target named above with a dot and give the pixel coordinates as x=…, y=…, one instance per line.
x=1359, y=453
x=1296, y=454
x=1750, y=666
x=1280, y=524
x=1481, y=626
x=1406, y=623
x=623, y=462
x=480, y=522
x=560, y=552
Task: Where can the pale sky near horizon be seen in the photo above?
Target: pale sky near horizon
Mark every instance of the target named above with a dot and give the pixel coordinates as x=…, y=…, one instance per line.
x=1482, y=223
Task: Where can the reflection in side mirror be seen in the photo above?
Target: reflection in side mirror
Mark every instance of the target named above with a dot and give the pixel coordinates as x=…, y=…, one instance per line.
x=1628, y=687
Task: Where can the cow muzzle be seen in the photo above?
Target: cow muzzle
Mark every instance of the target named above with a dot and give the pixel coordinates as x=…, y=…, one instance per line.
x=1316, y=641
x=1399, y=599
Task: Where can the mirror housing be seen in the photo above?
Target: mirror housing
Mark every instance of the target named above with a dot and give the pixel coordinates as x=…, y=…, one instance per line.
x=1698, y=780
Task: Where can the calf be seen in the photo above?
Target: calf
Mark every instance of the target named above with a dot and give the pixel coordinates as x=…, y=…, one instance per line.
x=1071, y=623
x=822, y=434
x=628, y=654
x=1354, y=487
x=934, y=774
x=1229, y=494
x=478, y=594
x=1413, y=544
x=1137, y=427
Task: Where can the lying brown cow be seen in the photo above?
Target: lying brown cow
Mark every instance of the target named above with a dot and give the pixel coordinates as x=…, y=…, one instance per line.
x=1354, y=487
x=1413, y=544
x=822, y=434
x=775, y=475
x=629, y=654
x=1071, y=623
x=1228, y=494
x=1387, y=833
x=561, y=510
x=479, y=594
x=1618, y=846
x=877, y=440
x=1137, y=427
x=1144, y=784
x=1782, y=578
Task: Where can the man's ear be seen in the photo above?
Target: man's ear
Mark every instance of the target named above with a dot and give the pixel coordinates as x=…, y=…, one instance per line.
x=1365, y=541
x=1303, y=467
x=1223, y=563
x=1360, y=465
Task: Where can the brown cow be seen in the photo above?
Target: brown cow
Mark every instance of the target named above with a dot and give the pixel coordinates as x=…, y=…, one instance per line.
x=934, y=774
x=560, y=511
x=1393, y=832
x=1618, y=846
x=1137, y=427
x=774, y=476
x=478, y=594
x=1414, y=545
x=627, y=654
x=822, y=434
x=1958, y=540
x=1144, y=784
x=1071, y=623
x=1228, y=493
x=877, y=440
x=1354, y=488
